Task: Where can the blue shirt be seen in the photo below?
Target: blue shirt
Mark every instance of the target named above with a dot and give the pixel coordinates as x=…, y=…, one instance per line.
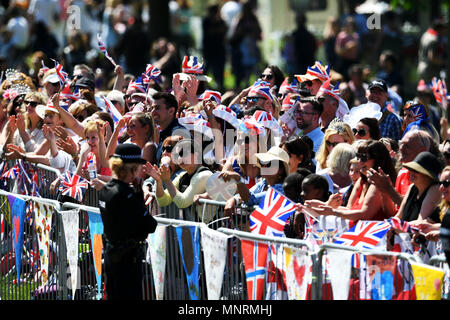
x=317, y=137
x=391, y=127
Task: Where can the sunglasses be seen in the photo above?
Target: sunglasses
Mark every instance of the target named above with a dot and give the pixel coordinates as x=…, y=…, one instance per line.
x=167, y=148
x=332, y=144
x=445, y=183
x=308, y=83
x=253, y=99
x=31, y=103
x=360, y=132
x=267, y=76
x=362, y=157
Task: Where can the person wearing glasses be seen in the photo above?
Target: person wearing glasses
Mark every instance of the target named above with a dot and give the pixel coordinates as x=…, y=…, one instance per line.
x=182, y=190
x=367, y=129
x=50, y=82
x=307, y=115
x=274, y=76
x=337, y=132
x=366, y=201
x=29, y=134
x=415, y=116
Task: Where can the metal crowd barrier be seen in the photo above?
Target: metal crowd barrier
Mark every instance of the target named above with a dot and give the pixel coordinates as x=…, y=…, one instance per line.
x=58, y=285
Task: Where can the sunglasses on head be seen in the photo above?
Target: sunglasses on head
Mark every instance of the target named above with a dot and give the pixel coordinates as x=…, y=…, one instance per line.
x=362, y=157
x=31, y=103
x=360, y=132
x=266, y=76
x=445, y=183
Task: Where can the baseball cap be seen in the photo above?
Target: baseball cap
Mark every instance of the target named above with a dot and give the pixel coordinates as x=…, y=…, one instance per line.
x=379, y=83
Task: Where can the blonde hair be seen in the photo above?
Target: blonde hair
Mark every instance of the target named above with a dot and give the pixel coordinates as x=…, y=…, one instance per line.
x=91, y=126
x=444, y=205
x=344, y=131
x=121, y=169
x=340, y=158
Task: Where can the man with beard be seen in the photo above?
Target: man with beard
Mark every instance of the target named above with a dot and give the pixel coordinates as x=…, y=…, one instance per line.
x=307, y=115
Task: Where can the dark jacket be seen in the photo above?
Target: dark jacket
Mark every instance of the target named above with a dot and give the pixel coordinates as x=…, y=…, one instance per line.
x=124, y=213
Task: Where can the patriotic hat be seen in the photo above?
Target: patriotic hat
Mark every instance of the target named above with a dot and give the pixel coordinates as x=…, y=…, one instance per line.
x=251, y=127
x=41, y=109
x=418, y=110
x=189, y=120
x=192, y=66
x=287, y=87
x=287, y=103
x=195, y=122
x=262, y=89
x=317, y=71
x=422, y=86
x=267, y=121
x=333, y=91
x=211, y=95
x=129, y=153
x=224, y=113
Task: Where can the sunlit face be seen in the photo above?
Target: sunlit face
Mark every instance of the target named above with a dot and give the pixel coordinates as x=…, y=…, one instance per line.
x=444, y=185
x=333, y=141
x=361, y=131
x=135, y=130
x=268, y=76
x=30, y=104
x=365, y=163
x=92, y=140
x=313, y=86
x=354, y=171
x=52, y=119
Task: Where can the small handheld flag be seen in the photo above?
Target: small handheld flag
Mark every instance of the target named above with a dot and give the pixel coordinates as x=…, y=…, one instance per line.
x=73, y=185
x=102, y=48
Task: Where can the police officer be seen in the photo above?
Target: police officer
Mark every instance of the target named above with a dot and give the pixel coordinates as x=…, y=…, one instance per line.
x=127, y=224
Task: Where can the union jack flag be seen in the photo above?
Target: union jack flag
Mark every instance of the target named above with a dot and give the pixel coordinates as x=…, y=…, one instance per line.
x=287, y=87
x=211, y=95
x=440, y=92
x=269, y=218
x=112, y=110
x=192, y=65
x=11, y=173
x=73, y=185
x=255, y=262
x=67, y=93
x=267, y=121
x=249, y=126
x=62, y=75
x=401, y=225
x=261, y=88
x=139, y=85
x=316, y=71
x=102, y=48
x=151, y=72
x=364, y=235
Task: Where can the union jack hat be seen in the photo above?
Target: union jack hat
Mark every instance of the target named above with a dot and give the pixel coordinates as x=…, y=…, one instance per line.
x=192, y=66
x=287, y=103
x=224, y=113
x=261, y=88
x=333, y=91
x=251, y=127
x=287, y=87
x=418, y=110
x=67, y=93
x=41, y=109
x=267, y=121
x=211, y=95
x=317, y=71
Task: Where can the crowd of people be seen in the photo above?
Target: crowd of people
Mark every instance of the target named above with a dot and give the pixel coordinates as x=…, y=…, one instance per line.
x=359, y=151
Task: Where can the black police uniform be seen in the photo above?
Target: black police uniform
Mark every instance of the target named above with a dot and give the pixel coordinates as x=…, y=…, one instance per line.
x=127, y=224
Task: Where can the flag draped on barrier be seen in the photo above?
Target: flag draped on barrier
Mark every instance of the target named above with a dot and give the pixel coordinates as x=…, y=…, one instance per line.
x=189, y=244
x=255, y=261
x=43, y=220
x=339, y=271
x=276, y=274
x=364, y=235
x=215, y=245
x=298, y=272
x=70, y=220
x=17, y=220
x=96, y=231
x=428, y=281
x=156, y=254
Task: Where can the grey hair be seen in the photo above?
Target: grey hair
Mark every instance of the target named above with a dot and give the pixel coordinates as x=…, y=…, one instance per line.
x=339, y=158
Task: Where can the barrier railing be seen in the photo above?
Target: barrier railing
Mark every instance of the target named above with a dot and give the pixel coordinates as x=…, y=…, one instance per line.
x=30, y=285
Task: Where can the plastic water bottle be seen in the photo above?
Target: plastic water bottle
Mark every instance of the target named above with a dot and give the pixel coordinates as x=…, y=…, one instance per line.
x=92, y=169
